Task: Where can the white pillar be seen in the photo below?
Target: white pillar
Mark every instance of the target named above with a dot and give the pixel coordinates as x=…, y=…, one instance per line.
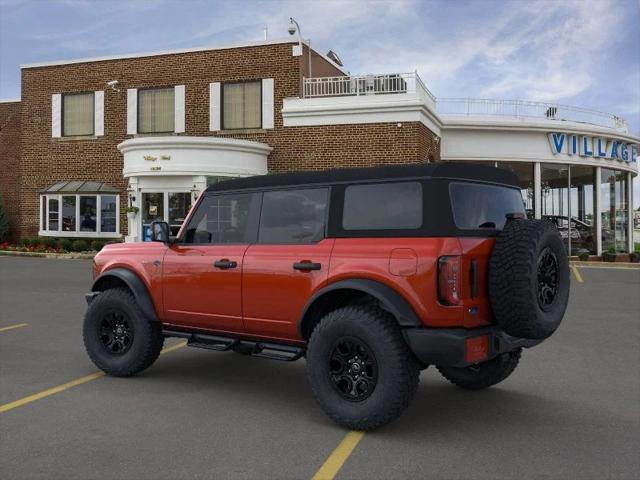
x=133, y=231
x=630, y=212
x=537, y=191
x=598, y=211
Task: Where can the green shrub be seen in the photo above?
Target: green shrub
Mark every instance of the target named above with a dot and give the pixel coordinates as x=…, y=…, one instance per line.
x=4, y=222
x=97, y=245
x=65, y=244
x=583, y=255
x=48, y=242
x=27, y=242
x=79, y=245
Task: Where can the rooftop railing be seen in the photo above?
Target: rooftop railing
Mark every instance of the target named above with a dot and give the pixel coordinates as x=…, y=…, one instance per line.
x=398, y=83
x=356, y=85
x=526, y=109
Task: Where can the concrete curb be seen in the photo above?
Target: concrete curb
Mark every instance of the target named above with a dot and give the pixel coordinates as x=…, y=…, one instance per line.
x=60, y=256
x=613, y=265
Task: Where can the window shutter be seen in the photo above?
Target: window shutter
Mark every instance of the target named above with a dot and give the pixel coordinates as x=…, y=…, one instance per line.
x=214, y=106
x=178, y=98
x=98, y=113
x=132, y=111
x=56, y=115
x=267, y=103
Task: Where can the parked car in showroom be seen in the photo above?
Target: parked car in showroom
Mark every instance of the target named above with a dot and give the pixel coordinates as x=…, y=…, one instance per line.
x=369, y=274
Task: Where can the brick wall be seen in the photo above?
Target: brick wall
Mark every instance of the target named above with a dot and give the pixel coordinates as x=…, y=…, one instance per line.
x=46, y=160
x=10, y=162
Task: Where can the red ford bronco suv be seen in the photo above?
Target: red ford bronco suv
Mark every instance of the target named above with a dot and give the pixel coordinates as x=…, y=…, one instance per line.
x=370, y=274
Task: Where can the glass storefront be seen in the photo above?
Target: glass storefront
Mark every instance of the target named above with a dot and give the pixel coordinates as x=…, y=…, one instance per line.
x=582, y=205
x=554, y=190
x=568, y=200
x=614, y=210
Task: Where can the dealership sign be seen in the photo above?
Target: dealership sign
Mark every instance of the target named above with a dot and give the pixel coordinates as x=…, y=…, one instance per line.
x=597, y=147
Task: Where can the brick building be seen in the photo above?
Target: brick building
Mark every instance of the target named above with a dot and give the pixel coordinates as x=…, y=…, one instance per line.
x=91, y=137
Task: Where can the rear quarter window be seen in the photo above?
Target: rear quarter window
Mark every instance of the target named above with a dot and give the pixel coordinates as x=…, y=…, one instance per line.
x=477, y=206
x=383, y=206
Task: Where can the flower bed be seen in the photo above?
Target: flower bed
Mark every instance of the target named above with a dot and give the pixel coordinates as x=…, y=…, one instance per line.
x=54, y=246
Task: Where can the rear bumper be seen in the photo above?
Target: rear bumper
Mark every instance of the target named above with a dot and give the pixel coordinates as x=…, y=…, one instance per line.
x=449, y=346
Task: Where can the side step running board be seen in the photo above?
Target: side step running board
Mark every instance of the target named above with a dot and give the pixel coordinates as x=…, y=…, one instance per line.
x=273, y=351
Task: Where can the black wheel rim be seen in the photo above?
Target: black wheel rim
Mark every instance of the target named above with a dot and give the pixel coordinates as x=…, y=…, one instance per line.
x=353, y=369
x=547, y=278
x=116, y=332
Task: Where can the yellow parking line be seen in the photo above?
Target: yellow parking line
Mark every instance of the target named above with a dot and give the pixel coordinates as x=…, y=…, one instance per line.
x=576, y=273
x=11, y=327
x=334, y=463
x=65, y=386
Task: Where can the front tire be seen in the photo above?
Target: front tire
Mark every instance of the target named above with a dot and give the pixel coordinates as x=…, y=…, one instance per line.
x=119, y=339
x=360, y=368
x=483, y=375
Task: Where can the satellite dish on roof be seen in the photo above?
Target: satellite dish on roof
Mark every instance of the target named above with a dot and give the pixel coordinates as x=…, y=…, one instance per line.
x=334, y=57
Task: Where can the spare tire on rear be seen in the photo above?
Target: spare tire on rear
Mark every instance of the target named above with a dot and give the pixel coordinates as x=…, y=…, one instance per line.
x=529, y=279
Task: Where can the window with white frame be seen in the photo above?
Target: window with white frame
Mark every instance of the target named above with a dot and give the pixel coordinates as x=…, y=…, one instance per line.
x=79, y=209
x=242, y=105
x=156, y=110
x=78, y=114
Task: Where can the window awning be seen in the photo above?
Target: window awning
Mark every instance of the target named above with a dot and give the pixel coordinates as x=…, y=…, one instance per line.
x=80, y=186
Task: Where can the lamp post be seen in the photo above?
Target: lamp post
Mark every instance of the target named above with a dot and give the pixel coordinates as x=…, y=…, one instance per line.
x=293, y=28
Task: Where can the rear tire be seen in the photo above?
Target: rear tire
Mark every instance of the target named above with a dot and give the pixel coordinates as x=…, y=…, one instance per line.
x=529, y=279
x=119, y=339
x=483, y=375
x=360, y=368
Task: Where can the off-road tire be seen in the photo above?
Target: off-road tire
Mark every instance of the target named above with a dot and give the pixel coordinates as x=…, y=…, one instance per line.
x=147, y=339
x=397, y=370
x=483, y=375
x=514, y=279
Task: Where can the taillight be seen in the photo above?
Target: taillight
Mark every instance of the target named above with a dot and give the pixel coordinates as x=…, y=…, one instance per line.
x=449, y=280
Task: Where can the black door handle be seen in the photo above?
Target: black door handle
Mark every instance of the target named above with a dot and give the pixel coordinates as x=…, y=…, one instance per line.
x=307, y=266
x=225, y=264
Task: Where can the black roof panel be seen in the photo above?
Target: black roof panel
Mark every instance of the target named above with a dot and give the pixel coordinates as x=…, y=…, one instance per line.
x=455, y=170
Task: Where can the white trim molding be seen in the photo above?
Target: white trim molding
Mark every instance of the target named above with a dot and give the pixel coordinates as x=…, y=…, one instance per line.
x=179, y=109
x=184, y=155
x=56, y=115
x=392, y=108
x=267, y=103
x=214, y=107
x=98, y=122
x=132, y=111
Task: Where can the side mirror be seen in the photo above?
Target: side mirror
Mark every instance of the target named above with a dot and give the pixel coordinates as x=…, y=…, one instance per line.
x=160, y=232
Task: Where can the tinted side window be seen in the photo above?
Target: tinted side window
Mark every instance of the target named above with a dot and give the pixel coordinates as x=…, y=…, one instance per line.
x=477, y=206
x=293, y=216
x=230, y=218
x=383, y=206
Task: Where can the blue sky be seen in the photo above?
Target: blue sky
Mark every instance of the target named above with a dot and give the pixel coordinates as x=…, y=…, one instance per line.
x=577, y=52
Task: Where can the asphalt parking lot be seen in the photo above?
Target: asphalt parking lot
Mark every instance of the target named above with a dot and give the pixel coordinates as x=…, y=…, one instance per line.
x=571, y=409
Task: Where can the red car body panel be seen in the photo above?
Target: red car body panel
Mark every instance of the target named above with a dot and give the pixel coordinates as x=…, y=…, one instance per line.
x=198, y=294
x=274, y=293
x=264, y=296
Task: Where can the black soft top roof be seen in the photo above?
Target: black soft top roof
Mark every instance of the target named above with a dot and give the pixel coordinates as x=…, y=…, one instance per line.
x=453, y=170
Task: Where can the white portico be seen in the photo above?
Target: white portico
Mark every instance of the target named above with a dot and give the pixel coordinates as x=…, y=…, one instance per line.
x=166, y=174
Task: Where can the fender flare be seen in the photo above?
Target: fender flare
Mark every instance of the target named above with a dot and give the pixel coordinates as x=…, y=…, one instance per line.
x=135, y=284
x=390, y=299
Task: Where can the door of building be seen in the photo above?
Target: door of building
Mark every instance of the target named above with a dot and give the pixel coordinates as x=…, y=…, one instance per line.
x=170, y=207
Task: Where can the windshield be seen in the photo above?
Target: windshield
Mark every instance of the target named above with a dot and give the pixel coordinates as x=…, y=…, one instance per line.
x=478, y=206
